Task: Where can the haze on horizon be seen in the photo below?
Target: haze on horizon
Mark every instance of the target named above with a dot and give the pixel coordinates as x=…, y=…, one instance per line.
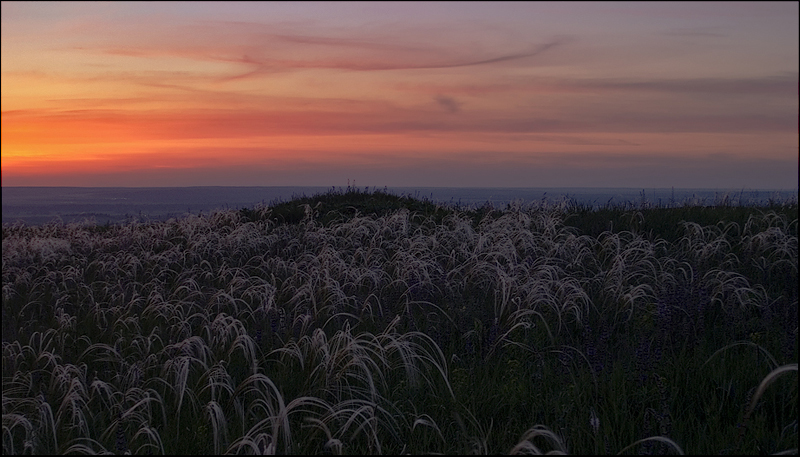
x=655, y=95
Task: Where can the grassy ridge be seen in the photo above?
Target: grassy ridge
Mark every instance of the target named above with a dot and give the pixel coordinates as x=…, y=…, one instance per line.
x=336, y=206
x=663, y=222
x=363, y=322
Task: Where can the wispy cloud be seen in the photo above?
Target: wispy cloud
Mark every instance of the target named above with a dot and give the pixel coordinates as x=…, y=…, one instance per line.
x=779, y=85
x=267, y=48
x=693, y=32
x=448, y=103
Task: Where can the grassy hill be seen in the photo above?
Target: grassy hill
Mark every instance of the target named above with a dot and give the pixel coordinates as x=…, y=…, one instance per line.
x=364, y=322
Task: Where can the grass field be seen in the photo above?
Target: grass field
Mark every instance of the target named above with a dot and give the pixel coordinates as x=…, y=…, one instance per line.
x=363, y=322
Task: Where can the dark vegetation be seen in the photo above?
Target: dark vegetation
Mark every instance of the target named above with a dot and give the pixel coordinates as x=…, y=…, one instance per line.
x=364, y=322
x=337, y=206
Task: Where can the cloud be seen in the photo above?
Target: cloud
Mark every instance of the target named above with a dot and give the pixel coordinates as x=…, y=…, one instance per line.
x=779, y=85
x=384, y=61
x=692, y=32
x=310, y=122
x=480, y=168
x=273, y=48
x=771, y=85
x=448, y=103
x=469, y=63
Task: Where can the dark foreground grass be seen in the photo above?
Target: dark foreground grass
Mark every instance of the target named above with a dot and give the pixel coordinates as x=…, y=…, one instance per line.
x=363, y=322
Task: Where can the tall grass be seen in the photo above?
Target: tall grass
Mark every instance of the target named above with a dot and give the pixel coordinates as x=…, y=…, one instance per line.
x=361, y=322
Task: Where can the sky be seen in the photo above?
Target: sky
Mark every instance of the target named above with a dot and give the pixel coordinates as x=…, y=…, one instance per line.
x=452, y=94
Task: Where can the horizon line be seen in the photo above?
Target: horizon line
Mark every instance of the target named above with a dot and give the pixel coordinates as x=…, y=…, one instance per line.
x=376, y=187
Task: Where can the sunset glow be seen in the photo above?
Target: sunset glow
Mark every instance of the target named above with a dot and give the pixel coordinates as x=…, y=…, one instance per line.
x=701, y=95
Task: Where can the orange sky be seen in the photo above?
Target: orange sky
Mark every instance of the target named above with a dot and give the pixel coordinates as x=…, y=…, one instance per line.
x=432, y=94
